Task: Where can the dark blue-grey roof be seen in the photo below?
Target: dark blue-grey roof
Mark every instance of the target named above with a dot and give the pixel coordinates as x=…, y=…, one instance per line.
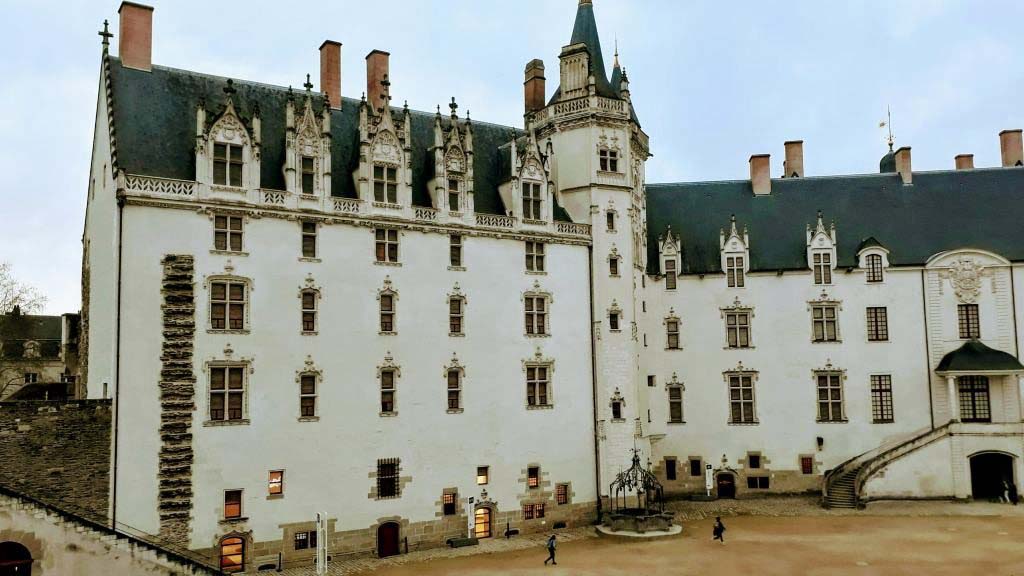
x=584, y=31
x=16, y=330
x=940, y=211
x=974, y=356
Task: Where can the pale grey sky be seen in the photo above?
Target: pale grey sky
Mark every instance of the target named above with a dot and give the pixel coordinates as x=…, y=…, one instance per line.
x=713, y=82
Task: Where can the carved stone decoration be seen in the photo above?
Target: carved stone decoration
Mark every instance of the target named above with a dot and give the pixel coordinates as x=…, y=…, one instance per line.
x=455, y=160
x=965, y=276
x=386, y=149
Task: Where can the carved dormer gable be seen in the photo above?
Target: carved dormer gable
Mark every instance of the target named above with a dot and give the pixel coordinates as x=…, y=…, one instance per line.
x=670, y=250
x=452, y=185
x=734, y=244
x=384, y=177
x=228, y=146
x=821, y=249
x=307, y=167
x=531, y=189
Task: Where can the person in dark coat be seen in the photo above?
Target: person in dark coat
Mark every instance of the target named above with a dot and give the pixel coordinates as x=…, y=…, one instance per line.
x=1013, y=493
x=551, y=551
x=718, y=532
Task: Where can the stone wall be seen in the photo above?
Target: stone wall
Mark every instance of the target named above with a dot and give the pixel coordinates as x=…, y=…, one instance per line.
x=58, y=449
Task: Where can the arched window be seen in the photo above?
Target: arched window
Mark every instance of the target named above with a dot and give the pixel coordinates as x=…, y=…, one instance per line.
x=232, y=554
x=15, y=559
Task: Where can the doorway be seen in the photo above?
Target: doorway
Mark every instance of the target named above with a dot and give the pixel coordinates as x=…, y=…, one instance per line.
x=15, y=560
x=482, y=523
x=988, y=472
x=726, y=485
x=387, y=539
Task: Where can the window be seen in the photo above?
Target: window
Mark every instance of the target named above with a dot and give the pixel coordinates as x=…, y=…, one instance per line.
x=483, y=475
x=734, y=271
x=970, y=325
x=388, y=484
x=31, y=377
x=613, y=266
x=385, y=184
x=536, y=315
x=878, y=324
x=753, y=461
x=741, y=399
x=307, y=175
x=531, y=201
x=453, y=195
x=737, y=329
x=455, y=314
x=533, y=477
x=807, y=465
x=449, y=503
x=561, y=494
x=227, y=165
x=757, y=482
x=227, y=233
x=613, y=321
x=651, y=381
x=616, y=410
x=830, y=397
x=307, y=396
x=974, y=399
x=454, y=390
x=696, y=468
x=232, y=504
x=275, y=483
x=455, y=250
x=537, y=386
x=309, y=311
x=874, y=264
x=672, y=331
x=387, y=391
x=227, y=393
x=881, y=399
x=823, y=268
x=305, y=540
x=825, y=323
x=610, y=218
x=232, y=554
x=670, y=274
x=386, y=244
x=387, y=313
x=675, y=404
x=670, y=469
x=609, y=160
x=227, y=305
x=533, y=511
x=309, y=239
x=534, y=256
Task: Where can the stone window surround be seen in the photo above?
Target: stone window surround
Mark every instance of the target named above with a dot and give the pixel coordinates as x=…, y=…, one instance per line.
x=310, y=288
x=539, y=360
x=616, y=397
x=403, y=481
x=455, y=365
x=247, y=370
x=613, y=255
x=615, y=309
x=830, y=370
x=862, y=263
x=671, y=316
x=397, y=263
x=229, y=276
x=537, y=292
x=738, y=308
x=673, y=384
x=826, y=300
x=456, y=294
x=388, y=290
x=740, y=370
x=389, y=364
x=310, y=369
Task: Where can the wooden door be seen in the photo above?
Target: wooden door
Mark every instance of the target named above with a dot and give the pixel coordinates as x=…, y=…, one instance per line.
x=387, y=540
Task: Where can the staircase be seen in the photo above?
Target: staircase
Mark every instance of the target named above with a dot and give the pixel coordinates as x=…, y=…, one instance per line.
x=842, y=493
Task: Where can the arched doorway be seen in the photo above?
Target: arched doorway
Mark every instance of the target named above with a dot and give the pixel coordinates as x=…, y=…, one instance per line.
x=725, y=483
x=988, y=472
x=482, y=522
x=387, y=539
x=15, y=559
x=232, y=554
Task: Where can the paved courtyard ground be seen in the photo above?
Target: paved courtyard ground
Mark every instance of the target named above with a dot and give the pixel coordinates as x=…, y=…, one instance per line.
x=777, y=536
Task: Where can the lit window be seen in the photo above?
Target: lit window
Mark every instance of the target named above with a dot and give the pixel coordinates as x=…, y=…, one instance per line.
x=878, y=324
x=227, y=233
x=823, y=268
x=227, y=305
x=232, y=555
x=387, y=391
x=830, y=397
x=874, y=264
x=454, y=390
x=385, y=184
x=670, y=274
x=307, y=395
x=533, y=477
x=531, y=201
x=449, y=503
x=825, y=323
x=537, y=383
x=305, y=540
x=734, y=271
x=536, y=315
x=386, y=241
x=227, y=393
x=275, y=484
x=309, y=240
x=483, y=475
x=307, y=175
x=232, y=504
x=455, y=250
x=227, y=165
x=388, y=480
x=309, y=311
x=561, y=494
x=969, y=322
x=534, y=257
x=737, y=329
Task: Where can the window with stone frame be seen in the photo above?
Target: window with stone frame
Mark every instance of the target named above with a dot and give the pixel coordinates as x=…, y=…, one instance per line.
x=538, y=384
x=878, y=324
x=671, y=472
x=275, y=483
x=387, y=391
x=610, y=220
x=613, y=321
x=454, y=195
x=307, y=395
x=483, y=475
x=670, y=274
x=608, y=160
x=533, y=477
x=455, y=251
x=672, y=333
x=227, y=393
x=227, y=233
x=758, y=482
x=227, y=165
x=737, y=329
x=753, y=461
x=307, y=175
x=825, y=322
x=830, y=396
x=536, y=314
x=305, y=540
x=675, y=404
x=232, y=554
x=533, y=511
x=532, y=201
x=309, y=311
x=385, y=184
x=228, y=300
x=874, y=268
x=807, y=465
x=881, y=399
x=386, y=245
x=456, y=315
x=616, y=409
x=696, y=467
x=822, y=267
x=449, y=503
x=309, y=240
x=741, y=398
x=613, y=266
x=387, y=313
x=232, y=504
x=734, y=271
x=534, y=256
x=561, y=494
x=388, y=479
x=968, y=321
x=454, y=378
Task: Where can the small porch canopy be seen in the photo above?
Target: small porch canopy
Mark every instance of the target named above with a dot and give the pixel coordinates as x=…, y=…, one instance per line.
x=976, y=358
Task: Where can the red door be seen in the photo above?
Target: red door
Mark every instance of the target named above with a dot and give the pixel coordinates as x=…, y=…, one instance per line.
x=387, y=540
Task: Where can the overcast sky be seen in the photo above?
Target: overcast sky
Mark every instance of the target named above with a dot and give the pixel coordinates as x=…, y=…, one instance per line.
x=713, y=82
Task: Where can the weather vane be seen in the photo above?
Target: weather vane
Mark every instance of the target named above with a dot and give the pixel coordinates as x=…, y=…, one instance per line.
x=887, y=123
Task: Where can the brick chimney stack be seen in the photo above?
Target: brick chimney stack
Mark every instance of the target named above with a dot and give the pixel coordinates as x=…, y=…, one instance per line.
x=965, y=162
x=534, y=86
x=377, y=63
x=760, y=174
x=903, y=165
x=330, y=72
x=794, y=159
x=135, y=47
x=1012, y=147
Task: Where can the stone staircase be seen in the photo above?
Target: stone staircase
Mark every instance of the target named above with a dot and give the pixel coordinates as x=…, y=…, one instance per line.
x=842, y=493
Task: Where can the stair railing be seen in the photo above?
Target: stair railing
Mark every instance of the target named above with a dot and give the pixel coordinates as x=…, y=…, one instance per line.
x=884, y=458
x=861, y=459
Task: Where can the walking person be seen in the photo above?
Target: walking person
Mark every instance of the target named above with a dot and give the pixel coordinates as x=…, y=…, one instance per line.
x=718, y=532
x=1014, y=497
x=551, y=551
x=1006, y=492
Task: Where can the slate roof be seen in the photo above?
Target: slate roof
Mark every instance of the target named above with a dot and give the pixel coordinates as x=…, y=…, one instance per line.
x=974, y=356
x=940, y=211
x=17, y=329
x=155, y=116
x=584, y=31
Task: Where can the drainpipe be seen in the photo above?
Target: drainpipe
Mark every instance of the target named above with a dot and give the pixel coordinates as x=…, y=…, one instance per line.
x=927, y=357
x=593, y=380
x=117, y=359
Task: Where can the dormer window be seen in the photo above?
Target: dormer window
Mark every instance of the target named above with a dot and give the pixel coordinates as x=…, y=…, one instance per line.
x=609, y=160
x=822, y=268
x=307, y=175
x=874, y=267
x=734, y=271
x=531, y=201
x=453, y=195
x=227, y=165
x=385, y=184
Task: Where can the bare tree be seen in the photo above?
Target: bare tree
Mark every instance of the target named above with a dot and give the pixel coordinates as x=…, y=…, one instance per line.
x=14, y=293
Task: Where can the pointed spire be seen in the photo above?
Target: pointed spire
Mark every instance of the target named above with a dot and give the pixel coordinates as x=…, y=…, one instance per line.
x=585, y=32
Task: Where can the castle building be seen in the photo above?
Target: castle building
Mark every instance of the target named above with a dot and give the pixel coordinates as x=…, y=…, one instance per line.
x=423, y=326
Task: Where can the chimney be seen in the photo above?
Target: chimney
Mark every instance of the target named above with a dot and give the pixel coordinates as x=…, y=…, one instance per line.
x=533, y=87
x=376, y=75
x=794, y=164
x=760, y=174
x=330, y=71
x=1012, y=147
x=965, y=162
x=903, y=165
x=136, y=44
